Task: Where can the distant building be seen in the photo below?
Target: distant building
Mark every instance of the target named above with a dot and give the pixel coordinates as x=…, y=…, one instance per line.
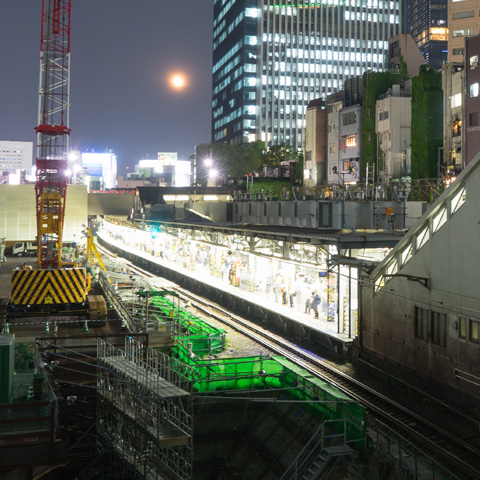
x=335, y=104
x=349, y=145
x=271, y=59
x=427, y=22
x=133, y=180
x=166, y=171
x=402, y=47
x=464, y=21
x=315, y=144
x=453, y=104
x=472, y=100
x=15, y=156
x=344, y=110
x=393, y=120
x=101, y=170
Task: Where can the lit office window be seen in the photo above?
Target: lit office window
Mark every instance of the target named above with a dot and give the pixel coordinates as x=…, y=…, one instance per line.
x=350, y=141
x=474, y=90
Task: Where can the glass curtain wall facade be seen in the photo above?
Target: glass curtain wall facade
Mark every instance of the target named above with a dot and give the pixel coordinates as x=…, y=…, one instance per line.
x=271, y=58
x=234, y=93
x=427, y=22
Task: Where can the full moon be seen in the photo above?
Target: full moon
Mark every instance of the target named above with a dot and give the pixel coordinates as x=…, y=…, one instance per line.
x=178, y=81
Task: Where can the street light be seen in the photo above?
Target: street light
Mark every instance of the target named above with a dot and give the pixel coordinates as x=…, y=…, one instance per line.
x=212, y=173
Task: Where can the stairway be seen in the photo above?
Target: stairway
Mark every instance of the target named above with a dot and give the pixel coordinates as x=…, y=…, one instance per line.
x=322, y=460
x=324, y=445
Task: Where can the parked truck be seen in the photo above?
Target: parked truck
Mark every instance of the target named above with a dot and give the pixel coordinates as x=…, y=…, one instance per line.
x=24, y=249
x=2, y=251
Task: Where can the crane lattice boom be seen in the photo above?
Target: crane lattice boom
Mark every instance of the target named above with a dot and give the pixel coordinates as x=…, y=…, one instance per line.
x=52, y=131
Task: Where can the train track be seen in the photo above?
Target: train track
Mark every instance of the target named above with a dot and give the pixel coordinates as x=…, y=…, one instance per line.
x=447, y=446
x=436, y=441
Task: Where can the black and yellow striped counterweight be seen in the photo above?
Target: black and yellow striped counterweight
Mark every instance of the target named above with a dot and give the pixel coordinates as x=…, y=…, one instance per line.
x=48, y=287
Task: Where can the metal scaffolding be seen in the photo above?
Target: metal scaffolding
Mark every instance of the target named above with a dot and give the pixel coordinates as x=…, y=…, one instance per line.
x=144, y=417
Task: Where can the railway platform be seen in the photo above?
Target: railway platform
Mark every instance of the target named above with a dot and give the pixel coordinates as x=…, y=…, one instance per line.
x=266, y=308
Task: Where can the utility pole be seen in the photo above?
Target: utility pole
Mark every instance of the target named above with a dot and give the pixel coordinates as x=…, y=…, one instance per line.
x=341, y=177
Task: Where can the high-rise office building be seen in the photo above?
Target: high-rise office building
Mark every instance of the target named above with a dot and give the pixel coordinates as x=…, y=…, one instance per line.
x=464, y=21
x=426, y=22
x=270, y=59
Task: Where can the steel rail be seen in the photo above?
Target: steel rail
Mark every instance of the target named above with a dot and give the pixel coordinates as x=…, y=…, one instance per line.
x=441, y=444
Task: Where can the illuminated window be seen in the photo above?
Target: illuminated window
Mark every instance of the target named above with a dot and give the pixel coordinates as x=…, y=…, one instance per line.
x=474, y=90
x=392, y=269
x=457, y=128
x=463, y=33
x=350, y=141
x=406, y=254
x=423, y=237
x=252, y=12
x=458, y=200
x=439, y=219
x=456, y=100
x=349, y=165
x=437, y=33
x=379, y=283
x=474, y=62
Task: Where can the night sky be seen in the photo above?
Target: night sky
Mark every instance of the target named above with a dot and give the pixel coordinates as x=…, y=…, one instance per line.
x=122, y=53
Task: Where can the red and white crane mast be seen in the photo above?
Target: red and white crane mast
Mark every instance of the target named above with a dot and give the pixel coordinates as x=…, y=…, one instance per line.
x=52, y=131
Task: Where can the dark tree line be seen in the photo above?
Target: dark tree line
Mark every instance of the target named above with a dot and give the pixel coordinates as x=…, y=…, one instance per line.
x=234, y=161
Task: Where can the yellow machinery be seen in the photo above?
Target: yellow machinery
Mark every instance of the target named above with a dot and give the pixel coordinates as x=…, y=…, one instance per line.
x=92, y=250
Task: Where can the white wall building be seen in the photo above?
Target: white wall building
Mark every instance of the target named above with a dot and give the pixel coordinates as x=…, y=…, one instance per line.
x=393, y=121
x=16, y=156
x=349, y=145
x=333, y=128
x=423, y=311
x=18, y=215
x=101, y=167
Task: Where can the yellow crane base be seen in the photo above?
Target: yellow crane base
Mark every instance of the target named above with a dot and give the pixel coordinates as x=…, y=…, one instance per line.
x=49, y=287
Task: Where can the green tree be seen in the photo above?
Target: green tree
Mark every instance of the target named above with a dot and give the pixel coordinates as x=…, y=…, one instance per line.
x=228, y=160
x=276, y=154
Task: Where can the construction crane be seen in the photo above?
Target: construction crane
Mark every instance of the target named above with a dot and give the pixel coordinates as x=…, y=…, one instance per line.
x=51, y=285
x=52, y=131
